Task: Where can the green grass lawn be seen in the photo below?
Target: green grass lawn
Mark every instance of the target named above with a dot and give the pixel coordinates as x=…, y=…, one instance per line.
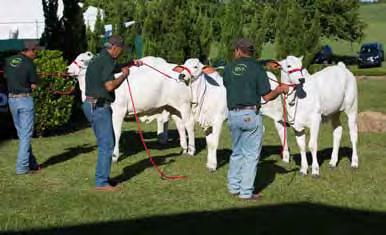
x=61, y=199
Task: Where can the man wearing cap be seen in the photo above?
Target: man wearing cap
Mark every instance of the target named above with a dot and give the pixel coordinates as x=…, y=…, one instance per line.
x=246, y=82
x=100, y=86
x=21, y=76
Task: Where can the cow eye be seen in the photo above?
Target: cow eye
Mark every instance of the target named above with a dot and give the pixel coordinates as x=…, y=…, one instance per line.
x=289, y=66
x=196, y=67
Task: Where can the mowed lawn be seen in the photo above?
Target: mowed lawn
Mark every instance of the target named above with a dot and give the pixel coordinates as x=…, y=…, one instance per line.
x=61, y=199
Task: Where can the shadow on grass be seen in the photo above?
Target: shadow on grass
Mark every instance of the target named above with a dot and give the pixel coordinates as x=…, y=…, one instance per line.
x=69, y=154
x=266, y=173
x=299, y=218
x=138, y=167
x=266, y=169
x=223, y=155
x=130, y=142
x=325, y=155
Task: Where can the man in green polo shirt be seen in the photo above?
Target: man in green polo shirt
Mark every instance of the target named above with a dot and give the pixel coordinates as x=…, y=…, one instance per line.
x=100, y=86
x=21, y=76
x=246, y=82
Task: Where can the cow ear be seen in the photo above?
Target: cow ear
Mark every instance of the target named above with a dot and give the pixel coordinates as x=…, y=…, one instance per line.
x=208, y=69
x=178, y=69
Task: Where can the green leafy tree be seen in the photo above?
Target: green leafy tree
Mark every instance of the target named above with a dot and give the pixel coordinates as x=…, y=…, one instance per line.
x=73, y=30
x=51, y=36
x=52, y=111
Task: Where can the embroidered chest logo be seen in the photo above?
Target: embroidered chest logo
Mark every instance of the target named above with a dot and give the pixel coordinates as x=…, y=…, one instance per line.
x=15, y=62
x=239, y=69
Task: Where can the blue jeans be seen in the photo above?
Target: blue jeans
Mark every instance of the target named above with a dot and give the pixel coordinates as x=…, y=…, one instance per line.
x=23, y=113
x=247, y=136
x=101, y=123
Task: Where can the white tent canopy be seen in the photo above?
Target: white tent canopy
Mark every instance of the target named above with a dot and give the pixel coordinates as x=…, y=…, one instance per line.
x=26, y=19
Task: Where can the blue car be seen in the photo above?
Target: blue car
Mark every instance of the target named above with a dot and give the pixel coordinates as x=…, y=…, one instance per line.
x=371, y=55
x=324, y=56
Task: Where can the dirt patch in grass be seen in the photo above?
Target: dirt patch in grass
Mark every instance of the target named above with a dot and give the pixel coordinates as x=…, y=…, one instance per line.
x=369, y=121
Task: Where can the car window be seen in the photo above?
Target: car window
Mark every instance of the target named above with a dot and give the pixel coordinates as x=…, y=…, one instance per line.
x=368, y=50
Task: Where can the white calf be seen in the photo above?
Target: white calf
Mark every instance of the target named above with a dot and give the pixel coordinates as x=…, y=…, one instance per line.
x=153, y=94
x=324, y=94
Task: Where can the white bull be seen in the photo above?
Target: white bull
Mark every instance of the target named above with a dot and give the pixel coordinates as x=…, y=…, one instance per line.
x=324, y=94
x=210, y=107
x=153, y=93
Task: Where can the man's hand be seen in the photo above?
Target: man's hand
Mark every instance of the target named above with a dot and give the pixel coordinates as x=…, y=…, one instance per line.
x=137, y=63
x=125, y=71
x=282, y=88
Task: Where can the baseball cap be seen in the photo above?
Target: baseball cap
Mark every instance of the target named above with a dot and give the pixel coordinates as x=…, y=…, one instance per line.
x=243, y=43
x=31, y=45
x=117, y=41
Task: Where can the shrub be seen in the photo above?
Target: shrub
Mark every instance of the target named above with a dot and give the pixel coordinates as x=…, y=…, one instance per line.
x=52, y=111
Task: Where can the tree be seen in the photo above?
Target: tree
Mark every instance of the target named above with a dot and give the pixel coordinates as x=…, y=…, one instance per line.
x=73, y=30
x=51, y=36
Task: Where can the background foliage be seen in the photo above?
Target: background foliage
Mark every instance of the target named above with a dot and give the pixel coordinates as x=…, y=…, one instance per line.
x=52, y=111
x=179, y=29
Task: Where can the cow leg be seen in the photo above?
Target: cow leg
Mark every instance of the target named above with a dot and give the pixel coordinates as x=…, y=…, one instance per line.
x=162, y=128
x=337, y=135
x=283, y=140
x=313, y=144
x=189, y=125
x=352, y=124
x=212, y=143
x=118, y=117
x=301, y=141
x=181, y=132
x=188, y=121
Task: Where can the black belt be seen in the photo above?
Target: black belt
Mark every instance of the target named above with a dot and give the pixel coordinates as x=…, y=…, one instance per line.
x=255, y=108
x=19, y=95
x=97, y=102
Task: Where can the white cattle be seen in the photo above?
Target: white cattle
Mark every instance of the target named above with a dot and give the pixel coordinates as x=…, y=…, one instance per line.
x=324, y=94
x=209, y=106
x=153, y=93
x=78, y=69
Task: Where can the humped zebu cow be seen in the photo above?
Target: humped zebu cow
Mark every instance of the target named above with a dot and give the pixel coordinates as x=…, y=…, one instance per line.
x=210, y=108
x=153, y=94
x=322, y=95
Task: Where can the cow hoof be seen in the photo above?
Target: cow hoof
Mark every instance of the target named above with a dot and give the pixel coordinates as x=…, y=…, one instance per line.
x=211, y=169
x=332, y=166
x=354, y=167
x=286, y=157
x=302, y=173
x=315, y=176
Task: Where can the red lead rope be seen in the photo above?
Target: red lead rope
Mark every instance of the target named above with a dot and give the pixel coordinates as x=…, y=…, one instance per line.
x=284, y=115
x=160, y=173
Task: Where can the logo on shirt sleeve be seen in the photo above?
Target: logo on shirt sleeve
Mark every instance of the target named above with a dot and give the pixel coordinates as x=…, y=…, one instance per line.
x=15, y=62
x=239, y=69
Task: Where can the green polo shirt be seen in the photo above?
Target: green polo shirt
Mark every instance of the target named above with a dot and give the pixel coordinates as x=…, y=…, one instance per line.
x=20, y=72
x=99, y=71
x=246, y=82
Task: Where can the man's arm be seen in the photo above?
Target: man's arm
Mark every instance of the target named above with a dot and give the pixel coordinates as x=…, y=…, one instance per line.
x=275, y=93
x=33, y=77
x=115, y=83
